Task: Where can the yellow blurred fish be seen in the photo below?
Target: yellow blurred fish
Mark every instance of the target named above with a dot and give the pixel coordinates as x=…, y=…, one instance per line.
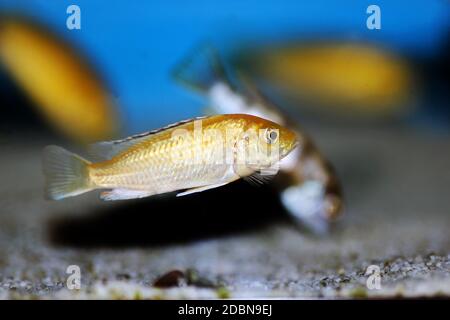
x=197, y=154
x=60, y=83
x=346, y=77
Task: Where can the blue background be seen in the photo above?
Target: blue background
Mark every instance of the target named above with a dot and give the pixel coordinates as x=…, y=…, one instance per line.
x=135, y=44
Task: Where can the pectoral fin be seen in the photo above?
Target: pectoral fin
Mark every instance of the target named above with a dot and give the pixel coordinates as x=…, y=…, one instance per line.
x=200, y=189
x=258, y=178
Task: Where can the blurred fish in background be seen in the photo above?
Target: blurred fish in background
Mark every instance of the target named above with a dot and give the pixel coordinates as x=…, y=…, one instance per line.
x=68, y=93
x=345, y=78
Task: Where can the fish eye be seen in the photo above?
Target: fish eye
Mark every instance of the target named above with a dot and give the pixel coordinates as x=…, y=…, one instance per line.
x=271, y=136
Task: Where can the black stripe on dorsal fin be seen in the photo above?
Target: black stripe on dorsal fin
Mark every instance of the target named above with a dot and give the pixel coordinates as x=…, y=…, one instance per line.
x=106, y=150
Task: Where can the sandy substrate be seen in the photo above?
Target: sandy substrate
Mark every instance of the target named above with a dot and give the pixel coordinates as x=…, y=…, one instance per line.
x=236, y=241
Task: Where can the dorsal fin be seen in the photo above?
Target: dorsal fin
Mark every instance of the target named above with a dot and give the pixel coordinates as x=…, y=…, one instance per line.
x=106, y=150
x=201, y=69
x=250, y=90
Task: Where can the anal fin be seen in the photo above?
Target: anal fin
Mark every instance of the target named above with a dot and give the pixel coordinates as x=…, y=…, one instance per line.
x=202, y=188
x=124, y=194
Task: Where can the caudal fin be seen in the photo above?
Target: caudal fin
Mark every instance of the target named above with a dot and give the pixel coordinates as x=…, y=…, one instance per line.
x=66, y=173
x=201, y=69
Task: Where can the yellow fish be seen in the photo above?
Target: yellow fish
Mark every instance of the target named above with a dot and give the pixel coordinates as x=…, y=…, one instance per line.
x=345, y=77
x=197, y=154
x=61, y=84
